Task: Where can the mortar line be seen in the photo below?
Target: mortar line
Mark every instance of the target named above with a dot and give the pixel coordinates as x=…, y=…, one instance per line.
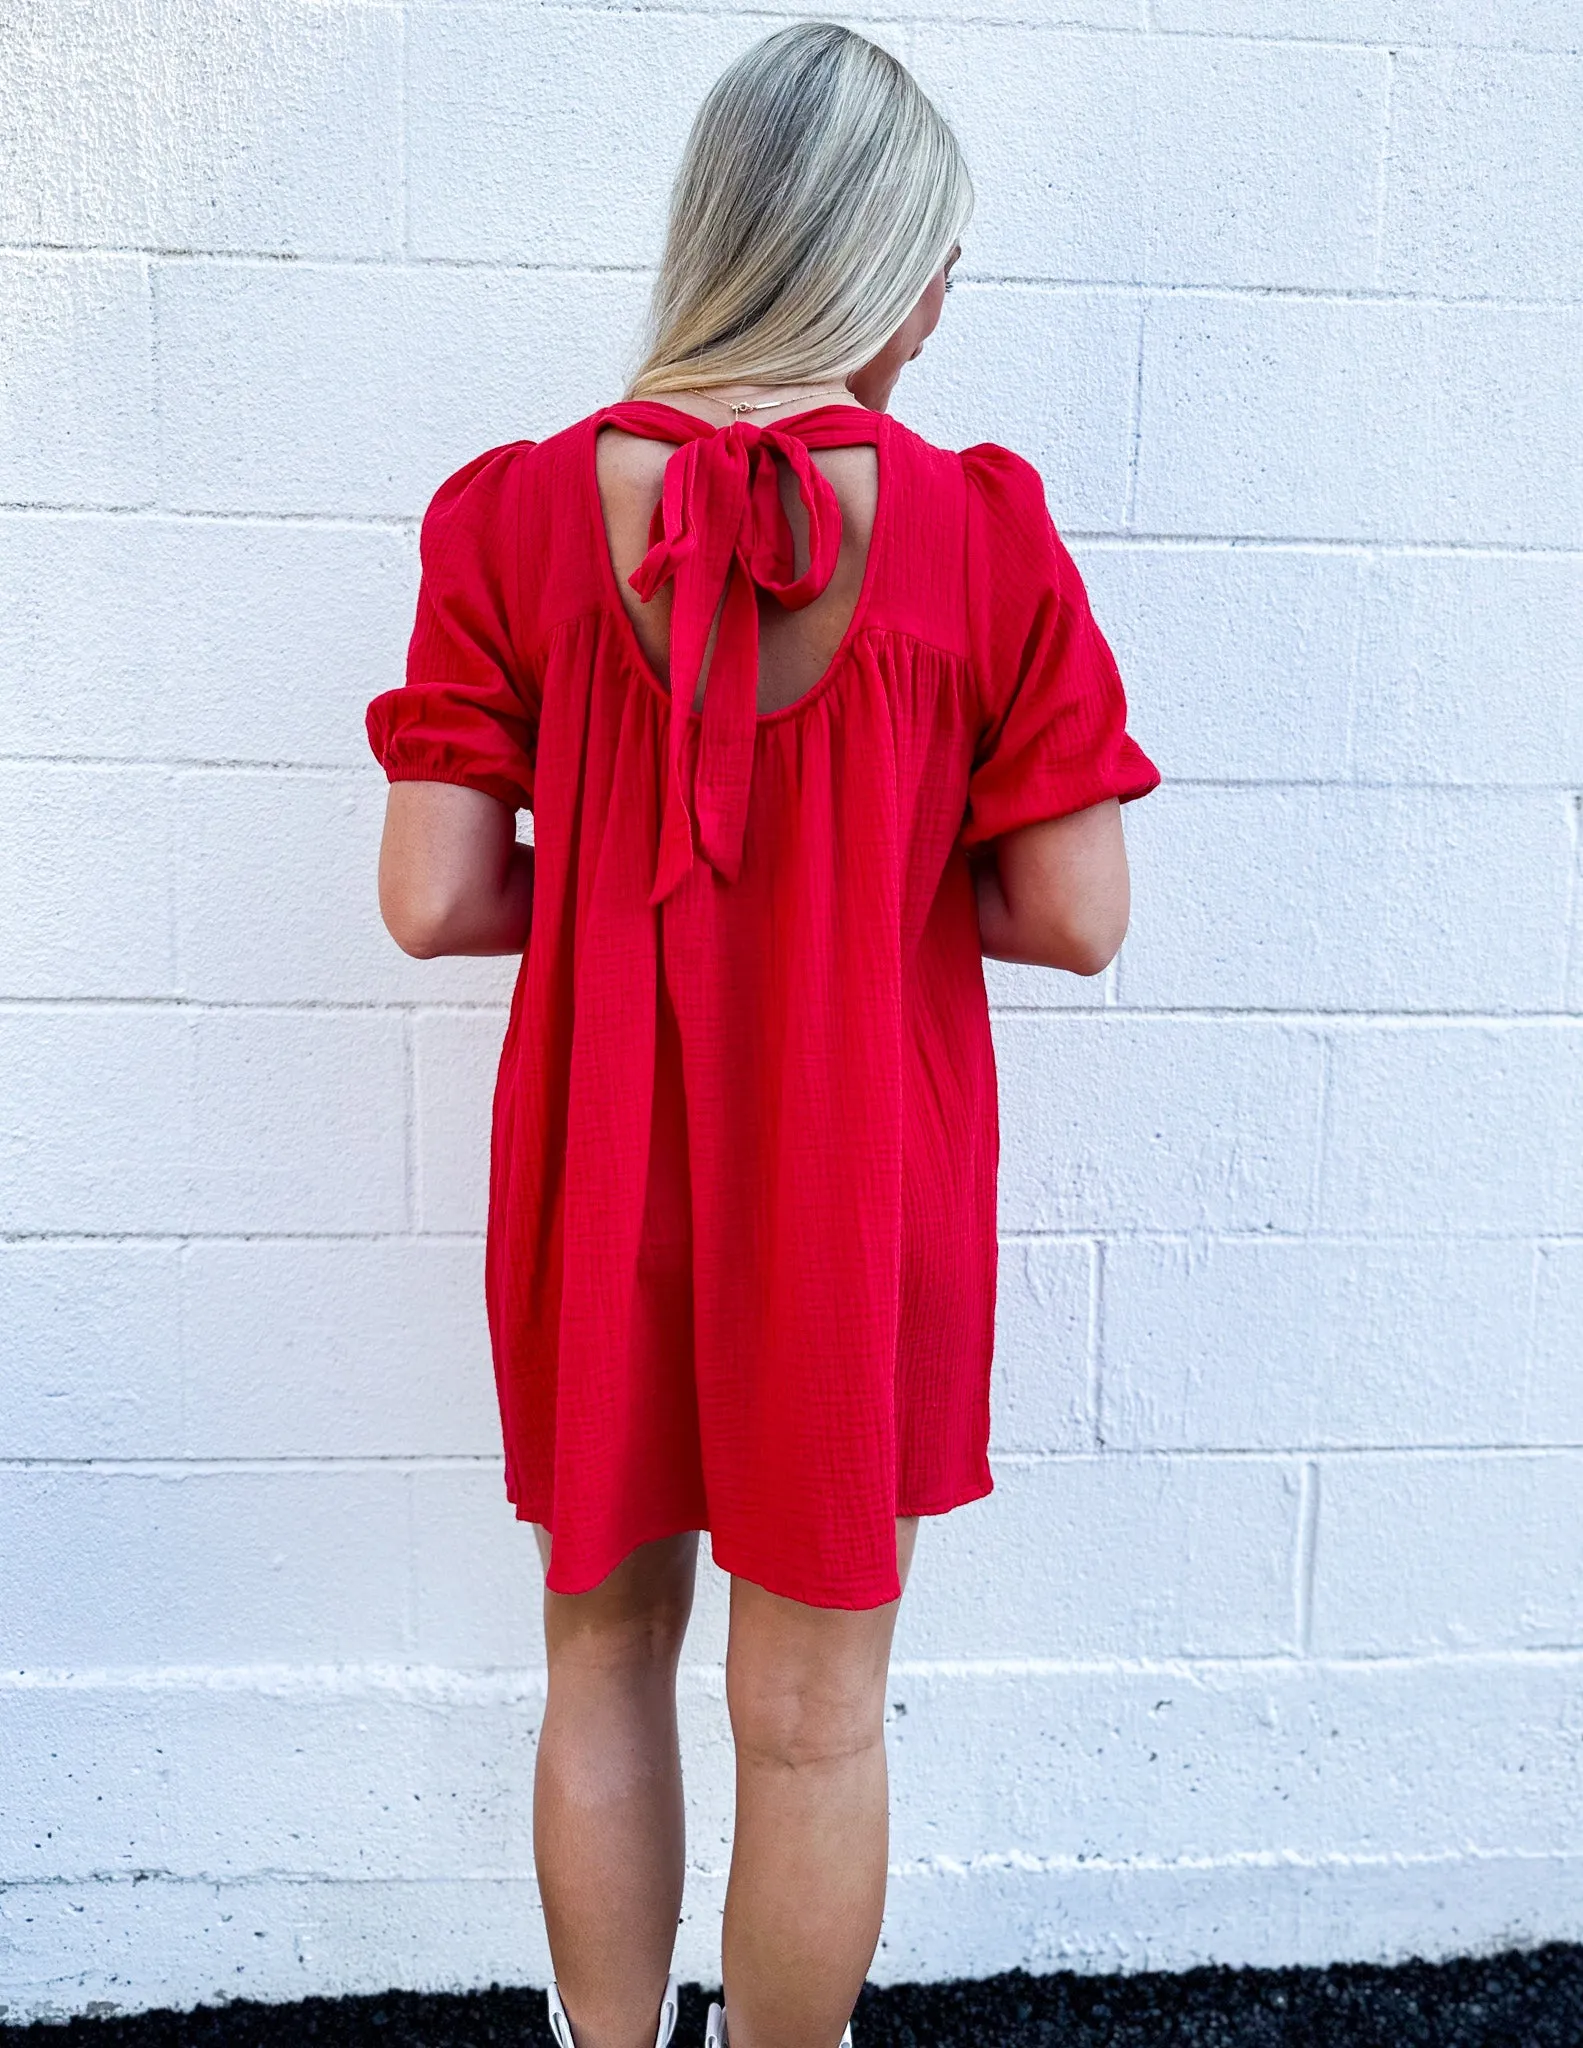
x=1572, y=962
x=1095, y=1390
x=1135, y=436
x=1382, y=167
x=221, y=1465
x=1251, y=1014
x=1363, y=594
x=971, y=279
x=401, y=523
x=1168, y=1453
x=938, y=1868
x=154, y=1240
x=354, y=1680
x=1187, y=1237
x=1390, y=45
x=1013, y=17
x=183, y=1348
x=1316, y=1184
x=403, y=131
x=1022, y=1863
x=1304, y=1552
x=1115, y=539
x=1239, y=289
x=942, y=1868
x=409, y=1123
x=194, y=764
x=406, y=526
x=1565, y=1656
x=367, y=771
x=156, y=392
x=268, y=1006
x=410, y=1603
x=175, y=859
x=1164, y=1235
x=1531, y=1334
x=1273, y=1014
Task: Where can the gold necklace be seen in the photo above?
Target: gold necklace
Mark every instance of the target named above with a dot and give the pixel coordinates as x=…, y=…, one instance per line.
x=769, y=404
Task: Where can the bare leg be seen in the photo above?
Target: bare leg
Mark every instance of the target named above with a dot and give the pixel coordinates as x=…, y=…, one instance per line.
x=608, y=1826
x=806, y=1687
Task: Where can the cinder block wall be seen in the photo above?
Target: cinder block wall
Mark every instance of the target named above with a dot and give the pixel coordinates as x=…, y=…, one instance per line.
x=1269, y=1646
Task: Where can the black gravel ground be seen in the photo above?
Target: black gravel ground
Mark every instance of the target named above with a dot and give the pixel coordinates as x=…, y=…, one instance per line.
x=1522, y=1999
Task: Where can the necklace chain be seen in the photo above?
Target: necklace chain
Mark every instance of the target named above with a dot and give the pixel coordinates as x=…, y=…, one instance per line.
x=769, y=404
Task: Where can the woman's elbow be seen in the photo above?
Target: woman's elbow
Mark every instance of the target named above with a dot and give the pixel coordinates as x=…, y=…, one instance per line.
x=419, y=922
x=1080, y=933
x=416, y=940
x=1063, y=897
x=1087, y=956
x=419, y=944
x=1086, y=950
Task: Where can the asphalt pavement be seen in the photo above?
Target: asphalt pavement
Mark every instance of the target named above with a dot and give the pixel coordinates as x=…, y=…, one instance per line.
x=1519, y=1999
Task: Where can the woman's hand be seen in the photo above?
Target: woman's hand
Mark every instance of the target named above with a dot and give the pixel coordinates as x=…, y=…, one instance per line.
x=1056, y=894
x=452, y=878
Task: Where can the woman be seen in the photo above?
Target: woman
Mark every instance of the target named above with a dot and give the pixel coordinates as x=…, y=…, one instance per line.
x=741, y=1259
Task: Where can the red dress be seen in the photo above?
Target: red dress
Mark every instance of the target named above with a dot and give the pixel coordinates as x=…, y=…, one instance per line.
x=741, y=1259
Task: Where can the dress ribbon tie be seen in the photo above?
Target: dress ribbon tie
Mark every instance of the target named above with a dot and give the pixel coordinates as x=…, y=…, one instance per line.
x=719, y=536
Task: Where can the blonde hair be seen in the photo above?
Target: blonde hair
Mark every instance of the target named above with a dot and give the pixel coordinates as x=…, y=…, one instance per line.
x=819, y=193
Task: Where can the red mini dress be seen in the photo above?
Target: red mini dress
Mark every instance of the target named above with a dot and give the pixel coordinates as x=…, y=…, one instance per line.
x=741, y=1258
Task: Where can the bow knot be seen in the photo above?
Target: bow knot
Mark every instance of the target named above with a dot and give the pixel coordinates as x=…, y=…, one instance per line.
x=720, y=535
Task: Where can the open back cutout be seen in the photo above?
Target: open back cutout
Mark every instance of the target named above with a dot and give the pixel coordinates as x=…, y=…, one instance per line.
x=796, y=648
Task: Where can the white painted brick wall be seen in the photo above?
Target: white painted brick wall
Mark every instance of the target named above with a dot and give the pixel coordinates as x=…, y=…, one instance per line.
x=1268, y=1646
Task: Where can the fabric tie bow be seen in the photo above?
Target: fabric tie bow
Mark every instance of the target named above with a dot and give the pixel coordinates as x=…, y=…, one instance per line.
x=720, y=535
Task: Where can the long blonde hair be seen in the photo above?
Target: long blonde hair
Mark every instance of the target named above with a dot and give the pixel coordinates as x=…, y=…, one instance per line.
x=819, y=193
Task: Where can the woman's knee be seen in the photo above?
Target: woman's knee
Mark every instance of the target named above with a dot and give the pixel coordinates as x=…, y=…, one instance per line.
x=806, y=1688
x=635, y=1619
x=805, y=1727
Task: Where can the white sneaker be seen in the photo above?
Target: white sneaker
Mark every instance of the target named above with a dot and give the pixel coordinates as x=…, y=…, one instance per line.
x=715, y=2031
x=561, y=2026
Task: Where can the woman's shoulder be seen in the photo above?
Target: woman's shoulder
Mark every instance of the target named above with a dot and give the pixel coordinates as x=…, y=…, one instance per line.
x=514, y=521
x=501, y=496
x=1002, y=481
x=1010, y=529
x=480, y=477
x=511, y=465
x=989, y=470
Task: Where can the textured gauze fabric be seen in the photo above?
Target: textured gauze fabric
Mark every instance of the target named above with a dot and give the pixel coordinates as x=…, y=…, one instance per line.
x=742, y=1256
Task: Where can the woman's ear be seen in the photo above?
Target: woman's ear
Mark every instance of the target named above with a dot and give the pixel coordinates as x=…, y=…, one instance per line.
x=873, y=384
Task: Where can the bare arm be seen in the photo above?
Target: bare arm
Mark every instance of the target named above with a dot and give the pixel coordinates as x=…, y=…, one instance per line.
x=452, y=878
x=1056, y=894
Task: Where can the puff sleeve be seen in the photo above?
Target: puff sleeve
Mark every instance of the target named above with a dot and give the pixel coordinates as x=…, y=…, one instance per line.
x=1053, y=737
x=468, y=711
